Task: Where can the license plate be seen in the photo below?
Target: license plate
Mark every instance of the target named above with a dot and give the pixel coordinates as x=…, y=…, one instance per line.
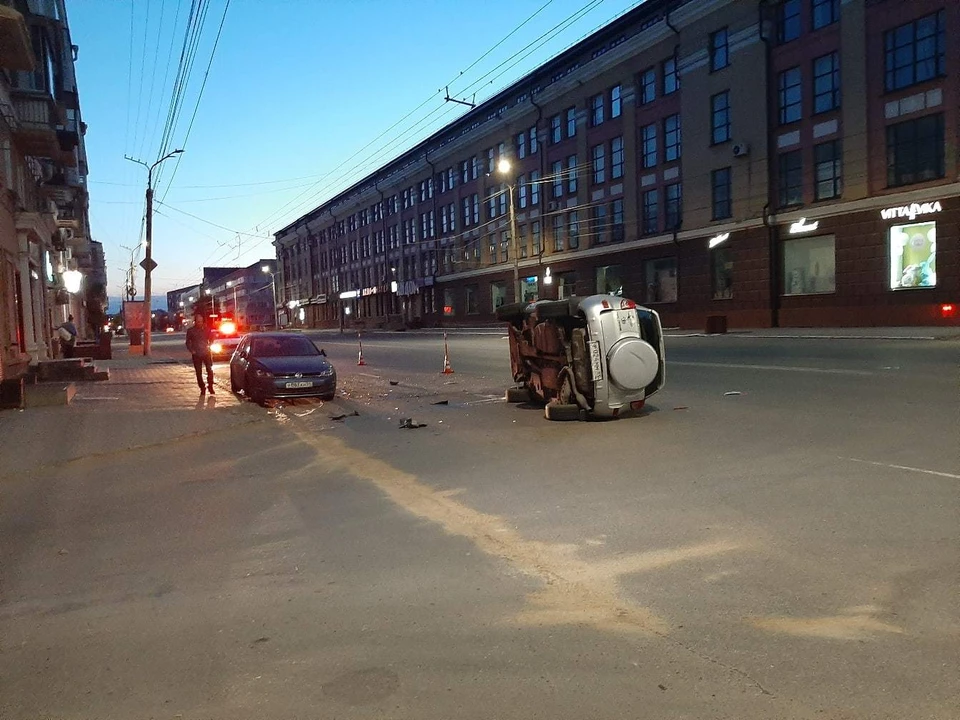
x=300, y=384
x=596, y=365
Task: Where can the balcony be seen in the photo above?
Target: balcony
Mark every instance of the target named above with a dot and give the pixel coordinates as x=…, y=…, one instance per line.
x=36, y=129
x=16, y=52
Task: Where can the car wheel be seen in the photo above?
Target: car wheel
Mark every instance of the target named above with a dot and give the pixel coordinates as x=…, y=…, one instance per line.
x=329, y=396
x=561, y=412
x=518, y=395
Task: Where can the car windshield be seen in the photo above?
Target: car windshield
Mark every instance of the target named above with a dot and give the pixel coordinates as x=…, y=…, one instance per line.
x=282, y=347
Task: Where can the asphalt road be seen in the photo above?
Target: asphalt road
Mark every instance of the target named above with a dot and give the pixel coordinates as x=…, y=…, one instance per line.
x=789, y=551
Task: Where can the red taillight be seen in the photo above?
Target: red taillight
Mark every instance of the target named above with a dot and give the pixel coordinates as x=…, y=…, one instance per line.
x=627, y=305
x=605, y=304
x=637, y=404
x=228, y=328
x=948, y=310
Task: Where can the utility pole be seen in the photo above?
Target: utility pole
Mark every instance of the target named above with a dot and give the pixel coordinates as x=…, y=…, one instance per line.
x=504, y=168
x=148, y=264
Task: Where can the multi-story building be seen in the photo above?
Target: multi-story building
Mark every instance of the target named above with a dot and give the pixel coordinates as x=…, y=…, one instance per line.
x=781, y=162
x=44, y=228
x=246, y=294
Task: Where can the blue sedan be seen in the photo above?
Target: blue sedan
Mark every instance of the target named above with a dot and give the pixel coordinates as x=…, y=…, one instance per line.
x=281, y=365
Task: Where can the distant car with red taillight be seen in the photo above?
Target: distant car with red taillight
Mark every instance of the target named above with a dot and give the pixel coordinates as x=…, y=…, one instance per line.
x=225, y=338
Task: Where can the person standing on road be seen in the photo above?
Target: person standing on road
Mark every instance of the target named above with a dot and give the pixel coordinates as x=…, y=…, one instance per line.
x=67, y=333
x=198, y=343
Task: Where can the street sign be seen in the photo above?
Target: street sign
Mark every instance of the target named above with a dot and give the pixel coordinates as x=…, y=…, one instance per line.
x=148, y=265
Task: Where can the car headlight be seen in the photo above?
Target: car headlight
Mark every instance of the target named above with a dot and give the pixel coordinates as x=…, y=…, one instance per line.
x=326, y=373
x=261, y=373
x=216, y=347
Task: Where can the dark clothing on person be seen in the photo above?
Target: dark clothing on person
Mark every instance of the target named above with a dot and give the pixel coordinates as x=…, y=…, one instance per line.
x=198, y=343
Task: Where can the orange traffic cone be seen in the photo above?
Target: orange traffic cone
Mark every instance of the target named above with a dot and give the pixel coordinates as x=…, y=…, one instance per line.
x=360, y=360
x=447, y=368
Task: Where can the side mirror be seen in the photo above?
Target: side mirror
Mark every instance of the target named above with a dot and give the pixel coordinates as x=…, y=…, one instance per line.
x=322, y=352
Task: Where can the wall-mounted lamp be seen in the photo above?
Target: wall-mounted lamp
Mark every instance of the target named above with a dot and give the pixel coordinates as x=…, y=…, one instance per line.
x=718, y=239
x=547, y=277
x=802, y=226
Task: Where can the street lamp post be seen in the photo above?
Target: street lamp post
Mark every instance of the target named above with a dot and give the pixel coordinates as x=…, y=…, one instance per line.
x=236, y=313
x=504, y=168
x=148, y=250
x=273, y=289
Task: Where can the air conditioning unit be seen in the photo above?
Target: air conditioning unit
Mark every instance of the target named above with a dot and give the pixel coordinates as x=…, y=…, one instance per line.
x=741, y=150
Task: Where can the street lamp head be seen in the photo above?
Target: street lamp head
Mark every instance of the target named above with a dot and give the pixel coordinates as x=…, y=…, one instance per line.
x=503, y=166
x=208, y=291
x=72, y=279
x=229, y=283
x=265, y=268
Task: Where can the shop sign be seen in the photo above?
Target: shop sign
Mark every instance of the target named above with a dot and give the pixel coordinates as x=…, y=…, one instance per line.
x=349, y=294
x=911, y=211
x=366, y=292
x=320, y=299
x=802, y=226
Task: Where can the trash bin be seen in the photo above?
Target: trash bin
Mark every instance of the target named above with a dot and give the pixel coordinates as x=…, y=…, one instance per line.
x=136, y=336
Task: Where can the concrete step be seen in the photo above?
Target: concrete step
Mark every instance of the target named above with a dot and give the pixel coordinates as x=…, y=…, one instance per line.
x=49, y=394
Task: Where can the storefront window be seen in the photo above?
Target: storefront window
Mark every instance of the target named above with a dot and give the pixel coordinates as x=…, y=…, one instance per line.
x=498, y=294
x=721, y=262
x=809, y=266
x=529, y=287
x=448, y=302
x=566, y=284
x=913, y=256
x=660, y=280
x=609, y=280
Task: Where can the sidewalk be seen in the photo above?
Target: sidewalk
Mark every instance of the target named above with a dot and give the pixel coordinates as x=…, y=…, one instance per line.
x=146, y=401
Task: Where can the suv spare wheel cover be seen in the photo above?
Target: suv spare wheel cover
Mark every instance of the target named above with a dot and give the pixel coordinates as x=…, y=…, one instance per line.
x=632, y=364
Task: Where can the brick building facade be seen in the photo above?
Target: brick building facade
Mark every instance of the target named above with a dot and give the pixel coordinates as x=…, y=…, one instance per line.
x=784, y=162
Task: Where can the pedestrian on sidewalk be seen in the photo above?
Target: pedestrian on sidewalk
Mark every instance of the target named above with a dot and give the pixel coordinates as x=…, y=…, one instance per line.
x=198, y=343
x=67, y=332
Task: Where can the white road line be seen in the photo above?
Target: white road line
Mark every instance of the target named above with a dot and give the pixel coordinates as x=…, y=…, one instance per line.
x=788, y=368
x=903, y=467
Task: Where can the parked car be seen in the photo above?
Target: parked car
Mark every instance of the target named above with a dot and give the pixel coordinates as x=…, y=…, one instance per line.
x=225, y=340
x=597, y=356
x=281, y=365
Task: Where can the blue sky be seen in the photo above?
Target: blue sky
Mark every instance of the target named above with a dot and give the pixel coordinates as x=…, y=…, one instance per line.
x=298, y=93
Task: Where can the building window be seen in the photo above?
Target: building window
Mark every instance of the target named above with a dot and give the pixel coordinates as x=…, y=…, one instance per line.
x=915, y=151
x=599, y=164
x=671, y=78
x=610, y=280
x=566, y=283
x=572, y=174
x=671, y=138
x=599, y=217
x=827, y=161
x=809, y=266
x=571, y=122
x=476, y=208
x=720, y=183
x=825, y=12
x=504, y=246
x=673, y=206
x=503, y=198
x=475, y=167
x=720, y=117
x=648, y=86
x=913, y=256
x=616, y=158
x=596, y=110
x=660, y=280
x=535, y=187
x=615, y=101
x=649, y=140
x=914, y=52
x=533, y=140
x=556, y=130
x=558, y=179
x=826, y=83
x=448, y=308
x=558, y=225
x=522, y=191
x=573, y=230
x=471, y=293
x=651, y=207
x=491, y=160
x=790, y=178
x=521, y=145
x=522, y=241
x=719, y=53
x=492, y=249
x=788, y=21
x=789, y=93
x=536, y=237
x=498, y=294
x=721, y=272
x=616, y=220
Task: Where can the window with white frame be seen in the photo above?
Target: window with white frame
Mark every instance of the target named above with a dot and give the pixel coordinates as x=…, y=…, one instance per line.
x=671, y=137
x=616, y=107
x=616, y=158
